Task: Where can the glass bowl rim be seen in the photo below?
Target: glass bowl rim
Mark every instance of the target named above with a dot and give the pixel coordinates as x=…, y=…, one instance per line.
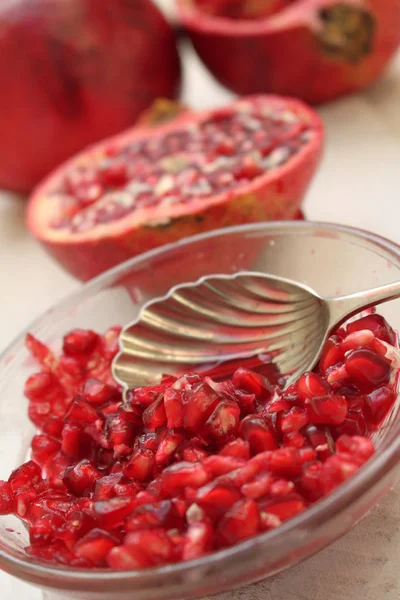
x=77, y=579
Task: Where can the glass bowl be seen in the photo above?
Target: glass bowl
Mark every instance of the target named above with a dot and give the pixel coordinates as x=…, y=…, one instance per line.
x=330, y=258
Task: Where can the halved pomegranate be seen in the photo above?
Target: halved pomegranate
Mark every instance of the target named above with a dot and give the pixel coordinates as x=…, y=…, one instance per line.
x=249, y=161
x=92, y=66
x=316, y=50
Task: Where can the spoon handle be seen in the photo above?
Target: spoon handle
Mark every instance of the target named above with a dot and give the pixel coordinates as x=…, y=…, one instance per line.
x=343, y=307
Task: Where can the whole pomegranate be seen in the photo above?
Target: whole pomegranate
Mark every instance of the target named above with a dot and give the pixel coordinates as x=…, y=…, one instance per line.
x=316, y=50
x=154, y=184
x=73, y=72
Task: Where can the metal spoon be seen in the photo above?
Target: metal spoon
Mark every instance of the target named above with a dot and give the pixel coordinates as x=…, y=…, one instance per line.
x=222, y=318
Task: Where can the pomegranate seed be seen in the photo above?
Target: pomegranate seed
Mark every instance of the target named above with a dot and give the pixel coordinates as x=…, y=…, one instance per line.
x=200, y=406
x=193, y=454
x=360, y=448
x=40, y=386
x=95, y=546
x=328, y=410
x=284, y=508
x=220, y=465
x=27, y=475
x=183, y=474
x=43, y=448
x=358, y=339
x=155, y=543
x=110, y=513
x=258, y=434
x=6, y=498
x=285, y=461
x=331, y=355
x=173, y=408
x=154, y=416
x=75, y=442
x=310, y=385
x=257, y=488
x=80, y=478
x=40, y=352
x=335, y=470
x=198, y=540
x=294, y=440
x=80, y=341
x=378, y=404
x=281, y=487
x=241, y=521
x=253, y=383
x=168, y=447
x=237, y=449
x=269, y=521
x=141, y=464
x=311, y=481
x=293, y=420
x=127, y=559
x=80, y=411
x=376, y=324
x=45, y=530
x=98, y=393
x=367, y=369
x=104, y=487
x=224, y=420
x=216, y=497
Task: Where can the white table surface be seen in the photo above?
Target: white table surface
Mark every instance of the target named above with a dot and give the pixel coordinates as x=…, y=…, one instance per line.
x=358, y=184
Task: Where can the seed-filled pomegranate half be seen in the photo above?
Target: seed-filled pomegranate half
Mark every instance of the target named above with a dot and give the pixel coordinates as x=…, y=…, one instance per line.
x=317, y=50
x=249, y=161
x=191, y=465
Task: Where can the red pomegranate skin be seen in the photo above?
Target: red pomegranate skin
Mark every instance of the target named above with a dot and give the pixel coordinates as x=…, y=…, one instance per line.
x=275, y=195
x=74, y=72
x=302, y=51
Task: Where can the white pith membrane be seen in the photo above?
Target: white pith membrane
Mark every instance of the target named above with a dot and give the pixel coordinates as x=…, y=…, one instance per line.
x=154, y=176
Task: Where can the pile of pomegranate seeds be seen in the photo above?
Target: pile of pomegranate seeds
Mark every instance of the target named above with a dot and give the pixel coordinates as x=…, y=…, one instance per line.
x=190, y=465
x=200, y=159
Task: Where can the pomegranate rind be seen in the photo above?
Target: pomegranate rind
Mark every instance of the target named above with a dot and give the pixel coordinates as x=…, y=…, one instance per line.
x=274, y=195
x=91, y=69
x=242, y=54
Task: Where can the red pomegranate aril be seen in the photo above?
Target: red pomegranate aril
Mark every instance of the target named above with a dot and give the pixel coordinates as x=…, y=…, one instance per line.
x=198, y=540
x=375, y=323
x=259, y=434
x=294, y=440
x=328, y=410
x=40, y=386
x=123, y=558
x=174, y=408
x=153, y=542
x=140, y=465
x=45, y=530
x=201, y=404
x=154, y=416
x=75, y=442
x=80, y=342
x=43, y=448
x=237, y=449
x=258, y=487
x=167, y=447
x=360, y=448
x=53, y=426
x=335, y=470
x=221, y=465
x=81, y=477
x=224, y=421
x=367, y=369
x=183, y=474
x=284, y=462
x=331, y=355
x=98, y=393
x=241, y=521
x=111, y=513
x=193, y=454
x=253, y=383
x=310, y=481
x=27, y=475
x=81, y=412
x=378, y=404
x=6, y=498
x=284, y=508
x=310, y=385
x=95, y=546
x=216, y=497
x=293, y=420
x=281, y=487
x=104, y=487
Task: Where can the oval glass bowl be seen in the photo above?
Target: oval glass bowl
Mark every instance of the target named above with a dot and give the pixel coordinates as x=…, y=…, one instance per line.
x=333, y=260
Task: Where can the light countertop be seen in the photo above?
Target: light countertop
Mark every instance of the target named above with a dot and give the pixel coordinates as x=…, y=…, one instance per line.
x=358, y=184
